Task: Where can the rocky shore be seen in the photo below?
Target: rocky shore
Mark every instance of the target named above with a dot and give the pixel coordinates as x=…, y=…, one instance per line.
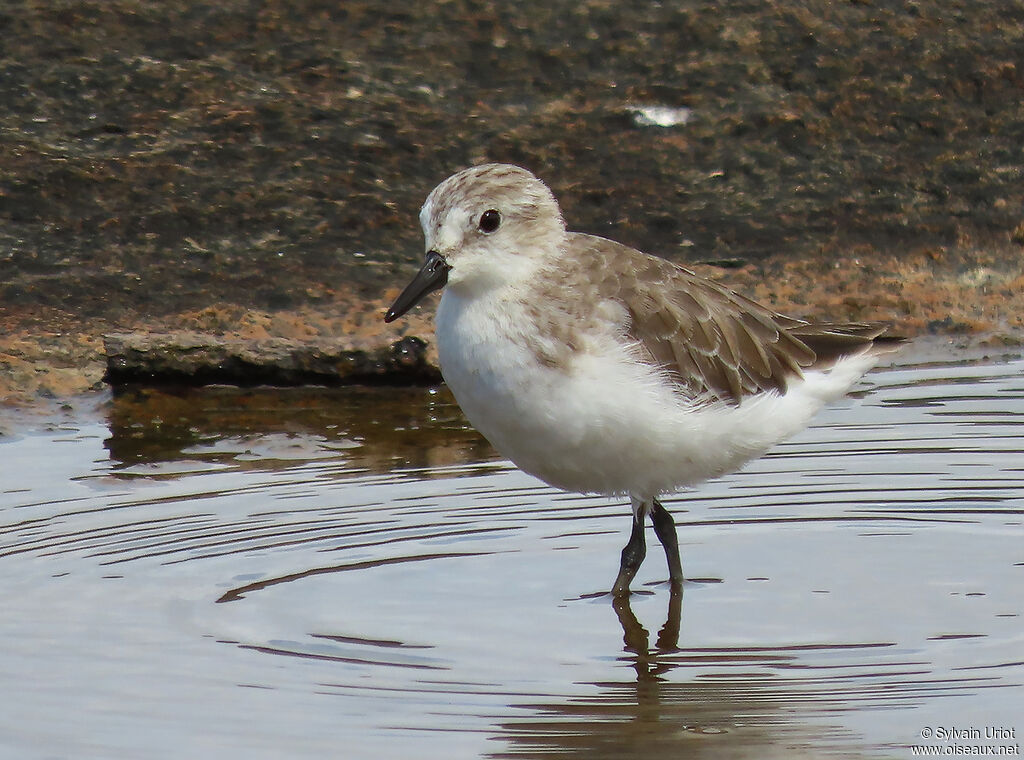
x=244, y=178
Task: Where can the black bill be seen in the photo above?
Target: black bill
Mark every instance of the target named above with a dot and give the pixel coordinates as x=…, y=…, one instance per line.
x=431, y=277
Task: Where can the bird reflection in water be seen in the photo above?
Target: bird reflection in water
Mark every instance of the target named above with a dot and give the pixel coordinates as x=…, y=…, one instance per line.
x=646, y=661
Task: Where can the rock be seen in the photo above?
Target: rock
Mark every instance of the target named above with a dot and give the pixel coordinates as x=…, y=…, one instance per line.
x=255, y=176
x=197, y=359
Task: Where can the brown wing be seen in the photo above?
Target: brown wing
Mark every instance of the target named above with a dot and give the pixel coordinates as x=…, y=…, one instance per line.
x=711, y=340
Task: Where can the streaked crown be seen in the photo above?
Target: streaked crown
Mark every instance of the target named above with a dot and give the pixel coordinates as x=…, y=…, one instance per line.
x=495, y=211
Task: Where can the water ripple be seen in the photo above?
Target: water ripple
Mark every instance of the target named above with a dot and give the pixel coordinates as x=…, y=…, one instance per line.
x=366, y=565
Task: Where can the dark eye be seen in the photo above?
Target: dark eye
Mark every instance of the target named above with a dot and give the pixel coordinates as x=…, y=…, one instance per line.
x=489, y=221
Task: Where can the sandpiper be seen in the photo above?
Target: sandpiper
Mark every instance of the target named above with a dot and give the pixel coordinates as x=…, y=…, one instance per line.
x=601, y=369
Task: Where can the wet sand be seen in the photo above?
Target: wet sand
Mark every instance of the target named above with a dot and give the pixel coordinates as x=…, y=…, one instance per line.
x=255, y=174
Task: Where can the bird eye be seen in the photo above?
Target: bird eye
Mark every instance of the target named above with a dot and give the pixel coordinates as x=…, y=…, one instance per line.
x=489, y=221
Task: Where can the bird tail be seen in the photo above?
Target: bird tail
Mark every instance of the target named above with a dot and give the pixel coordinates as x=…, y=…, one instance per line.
x=832, y=342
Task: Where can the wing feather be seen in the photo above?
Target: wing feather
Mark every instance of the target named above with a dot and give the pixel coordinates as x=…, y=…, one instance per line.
x=711, y=341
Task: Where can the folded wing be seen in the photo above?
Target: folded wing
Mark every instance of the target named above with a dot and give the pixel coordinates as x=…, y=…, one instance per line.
x=711, y=341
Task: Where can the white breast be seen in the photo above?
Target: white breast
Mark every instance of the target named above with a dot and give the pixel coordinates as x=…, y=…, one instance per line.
x=606, y=422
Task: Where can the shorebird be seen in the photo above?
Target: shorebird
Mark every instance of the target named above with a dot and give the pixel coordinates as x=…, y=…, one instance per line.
x=601, y=369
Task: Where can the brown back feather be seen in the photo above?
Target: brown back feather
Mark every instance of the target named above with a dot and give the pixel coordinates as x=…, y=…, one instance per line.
x=710, y=340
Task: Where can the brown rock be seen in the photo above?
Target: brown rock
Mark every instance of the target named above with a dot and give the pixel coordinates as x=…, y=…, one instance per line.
x=197, y=359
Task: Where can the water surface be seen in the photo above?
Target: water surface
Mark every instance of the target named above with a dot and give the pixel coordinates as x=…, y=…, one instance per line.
x=355, y=573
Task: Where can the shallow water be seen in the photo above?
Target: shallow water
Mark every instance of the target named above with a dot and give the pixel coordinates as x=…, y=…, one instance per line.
x=355, y=573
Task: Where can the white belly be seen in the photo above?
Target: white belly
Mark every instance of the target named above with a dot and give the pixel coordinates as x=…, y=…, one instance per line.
x=604, y=422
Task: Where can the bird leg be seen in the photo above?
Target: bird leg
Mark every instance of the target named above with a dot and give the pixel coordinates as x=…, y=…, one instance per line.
x=665, y=529
x=633, y=553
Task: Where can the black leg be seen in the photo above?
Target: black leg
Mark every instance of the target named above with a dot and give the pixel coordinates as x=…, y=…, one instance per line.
x=632, y=556
x=665, y=529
